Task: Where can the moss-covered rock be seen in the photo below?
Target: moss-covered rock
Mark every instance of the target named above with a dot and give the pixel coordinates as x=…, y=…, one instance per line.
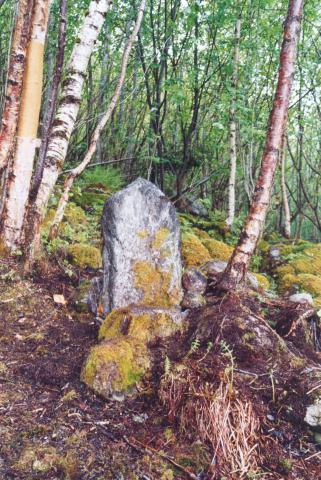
x=193, y=251
x=263, y=280
x=309, y=283
x=114, y=367
x=217, y=249
x=83, y=255
x=140, y=323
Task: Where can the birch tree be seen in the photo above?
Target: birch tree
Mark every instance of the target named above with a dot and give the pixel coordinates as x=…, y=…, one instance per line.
x=285, y=201
x=96, y=134
x=20, y=171
x=243, y=252
x=16, y=69
x=65, y=119
x=233, y=158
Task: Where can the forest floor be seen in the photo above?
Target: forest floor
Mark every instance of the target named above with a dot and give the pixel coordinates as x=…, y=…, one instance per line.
x=53, y=427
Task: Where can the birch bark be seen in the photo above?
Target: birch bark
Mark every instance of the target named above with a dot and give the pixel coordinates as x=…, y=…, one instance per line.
x=15, y=80
x=285, y=201
x=239, y=263
x=96, y=134
x=64, y=121
x=20, y=172
x=233, y=157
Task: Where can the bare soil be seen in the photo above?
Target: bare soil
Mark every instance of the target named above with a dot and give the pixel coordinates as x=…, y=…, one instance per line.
x=53, y=427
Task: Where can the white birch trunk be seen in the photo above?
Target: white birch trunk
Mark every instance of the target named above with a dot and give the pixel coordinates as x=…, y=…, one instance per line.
x=285, y=202
x=20, y=173
x=64, y=121
x=233, y=157
x=96, y=134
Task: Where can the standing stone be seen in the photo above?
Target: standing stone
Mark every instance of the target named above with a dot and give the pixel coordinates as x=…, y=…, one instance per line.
x=141, y=257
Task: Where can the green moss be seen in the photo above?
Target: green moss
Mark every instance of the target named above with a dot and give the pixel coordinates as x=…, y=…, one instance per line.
x=263, y=281
x=74, y=214
x=284, y=270
x=193, y=251
x=138, y=324
x=217, y=249
x=84, y=255
x=310, y=283
x=115, y=366
x=287, y=283
x=201, y=234
x=155, y=285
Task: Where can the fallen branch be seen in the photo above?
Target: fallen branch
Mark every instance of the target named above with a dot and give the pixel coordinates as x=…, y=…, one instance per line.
x=141, y=446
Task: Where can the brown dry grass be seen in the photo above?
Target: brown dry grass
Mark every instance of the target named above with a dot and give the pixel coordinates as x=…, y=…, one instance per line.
x=227, y=424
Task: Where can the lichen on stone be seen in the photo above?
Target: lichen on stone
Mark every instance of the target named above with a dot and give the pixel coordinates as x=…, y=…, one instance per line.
x=155, y=284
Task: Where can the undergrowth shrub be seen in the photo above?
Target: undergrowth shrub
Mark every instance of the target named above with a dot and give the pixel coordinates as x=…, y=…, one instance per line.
x=111, y=178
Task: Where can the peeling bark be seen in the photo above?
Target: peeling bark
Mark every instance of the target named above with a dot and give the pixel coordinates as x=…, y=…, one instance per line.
x=20, y=170
x=15, y=80
x=96, y=134
x=64, y=122
x=253, y=227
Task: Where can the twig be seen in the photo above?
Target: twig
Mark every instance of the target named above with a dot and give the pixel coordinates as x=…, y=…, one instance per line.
x=312, y=456
x=152, y=451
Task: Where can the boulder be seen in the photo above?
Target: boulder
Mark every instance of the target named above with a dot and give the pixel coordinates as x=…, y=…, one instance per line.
x=194, y=281
x=141, y=256
x=116, y=365
x=141, y=288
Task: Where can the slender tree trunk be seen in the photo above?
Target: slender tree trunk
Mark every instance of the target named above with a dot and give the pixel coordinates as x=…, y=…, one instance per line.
x=233, y=157
x=253, y=227
x=95, y=137
x=16, y=69
x=285, y=202
x=63, y=124
x=52, y=96
x=19, y=175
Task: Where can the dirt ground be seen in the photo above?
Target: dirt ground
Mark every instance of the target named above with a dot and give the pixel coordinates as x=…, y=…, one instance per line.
x=53, y=427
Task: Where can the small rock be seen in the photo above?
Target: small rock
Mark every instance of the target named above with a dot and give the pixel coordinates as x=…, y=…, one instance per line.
x=140, y=418
x=60, y=299
x=193, y=300
x=213, y=267
x=194, y=281
x=313, y=414
x=301, y=298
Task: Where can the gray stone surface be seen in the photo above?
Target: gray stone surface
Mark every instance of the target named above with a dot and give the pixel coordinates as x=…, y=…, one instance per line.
x=194, y=281
x=301, y=298
x=141, y=255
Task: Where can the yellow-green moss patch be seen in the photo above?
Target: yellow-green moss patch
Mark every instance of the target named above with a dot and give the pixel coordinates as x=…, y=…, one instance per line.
x=84, y=255
x=193, y=251
x=263, y=281
x=217, y=249
x=201, y=234
x=310, y=283
x=115, y=365
x=139, y=324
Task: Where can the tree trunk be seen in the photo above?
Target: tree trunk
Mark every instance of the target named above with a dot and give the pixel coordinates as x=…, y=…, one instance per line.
x=96, y=135
x=20, y=170
x=15, y=80
x=231, y=186
x=285, y=202
x=253, y=227
x=64, y=123
x=52, y=96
